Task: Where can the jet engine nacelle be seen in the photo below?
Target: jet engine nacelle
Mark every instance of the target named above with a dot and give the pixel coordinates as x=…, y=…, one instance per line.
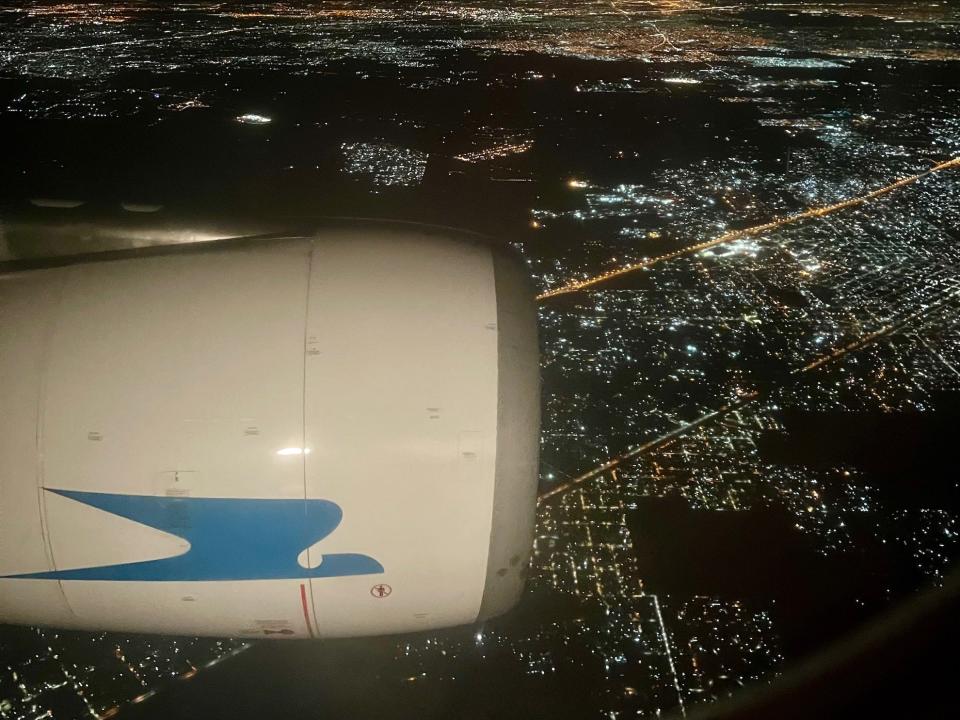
x=324, y=436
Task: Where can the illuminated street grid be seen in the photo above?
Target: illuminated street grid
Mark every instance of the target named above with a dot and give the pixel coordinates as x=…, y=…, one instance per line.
x=764, y=114
x=384, y=165
x=734, y=237
x=736, y=319
x=48, y=673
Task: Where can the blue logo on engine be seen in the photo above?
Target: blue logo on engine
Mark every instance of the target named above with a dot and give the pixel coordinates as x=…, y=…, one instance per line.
x=230, y=539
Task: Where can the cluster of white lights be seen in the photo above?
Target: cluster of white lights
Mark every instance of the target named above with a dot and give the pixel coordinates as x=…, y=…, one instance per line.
x=253, y=119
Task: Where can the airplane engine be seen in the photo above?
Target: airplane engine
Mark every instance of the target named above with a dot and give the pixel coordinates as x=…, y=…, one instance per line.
x=323, y=436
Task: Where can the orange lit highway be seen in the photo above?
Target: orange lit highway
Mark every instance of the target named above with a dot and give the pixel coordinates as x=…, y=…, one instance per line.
x=733, y=235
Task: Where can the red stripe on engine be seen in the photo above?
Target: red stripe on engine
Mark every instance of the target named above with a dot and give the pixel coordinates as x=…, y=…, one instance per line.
x=306, y=611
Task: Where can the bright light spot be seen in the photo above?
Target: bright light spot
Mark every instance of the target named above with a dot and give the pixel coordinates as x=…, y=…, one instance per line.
x=576, y=184
x=294, y=451
x=145, y=696
x=681, y=81
x=253, y=119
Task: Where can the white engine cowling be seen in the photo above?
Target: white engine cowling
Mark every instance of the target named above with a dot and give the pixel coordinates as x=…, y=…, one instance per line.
x=321, y=436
